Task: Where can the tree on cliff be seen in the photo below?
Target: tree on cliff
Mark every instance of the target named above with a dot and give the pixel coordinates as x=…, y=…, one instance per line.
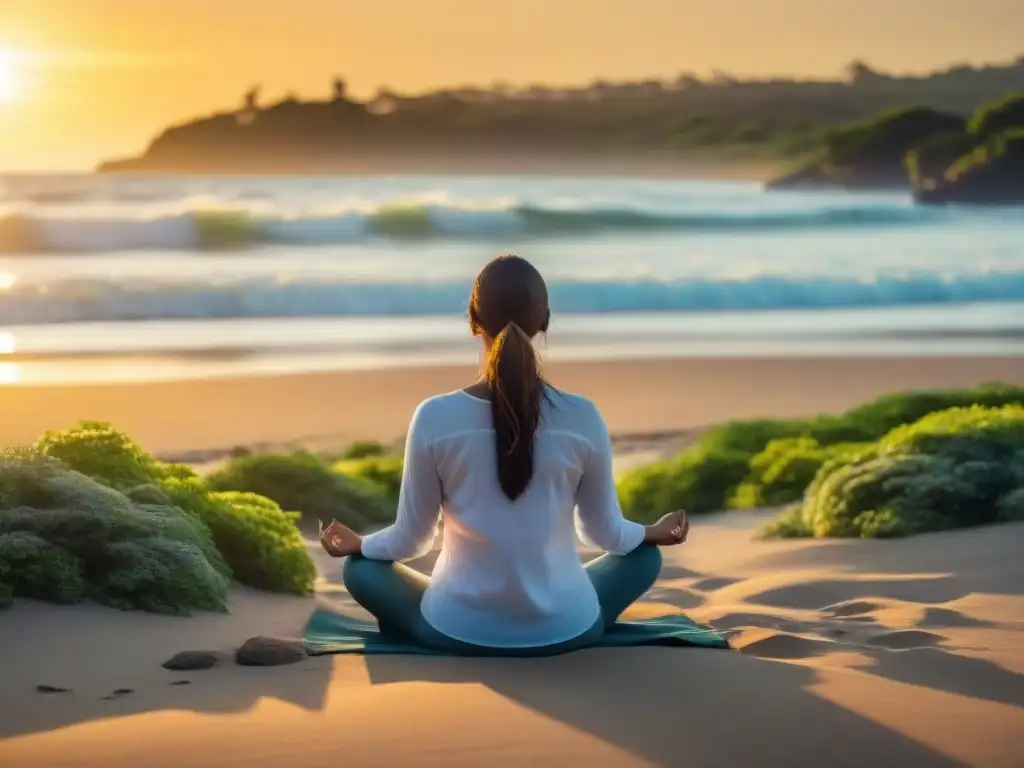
x=252, y=98
x=339, y=89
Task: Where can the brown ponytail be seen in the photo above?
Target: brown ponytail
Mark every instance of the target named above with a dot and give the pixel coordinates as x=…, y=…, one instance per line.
x=513, y=376
x=509, y=306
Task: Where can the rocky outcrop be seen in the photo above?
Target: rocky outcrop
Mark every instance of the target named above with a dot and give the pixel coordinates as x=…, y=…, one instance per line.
x=870, y=154
x=993, y=174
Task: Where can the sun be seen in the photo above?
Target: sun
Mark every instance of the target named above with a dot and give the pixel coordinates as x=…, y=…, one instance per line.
x=8, y=75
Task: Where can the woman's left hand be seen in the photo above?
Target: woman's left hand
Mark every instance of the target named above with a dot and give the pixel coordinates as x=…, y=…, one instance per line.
x=339, y=540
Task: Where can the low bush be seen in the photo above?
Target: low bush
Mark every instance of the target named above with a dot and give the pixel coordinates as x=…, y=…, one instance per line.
x=38, y=569
x=383, y=474
x=305, y=483
x=779, y=475
x=789, y=524
x=1010, y=508
x=100, y=451
x=696, y=481
x=363, y=449
x=952, y=469
x=225, y=528
x=261, y=542
x=781, y=472
x=64, y=536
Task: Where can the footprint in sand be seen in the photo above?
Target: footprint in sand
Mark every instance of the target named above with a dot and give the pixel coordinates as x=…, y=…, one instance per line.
x=51, y=689
x=714, y=583
x=850, y=609
x=947, y=618
x=905, y=639
x=756, y=620
x=779, y=645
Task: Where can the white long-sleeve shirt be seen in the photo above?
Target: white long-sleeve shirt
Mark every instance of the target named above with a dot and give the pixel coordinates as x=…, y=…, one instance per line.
x=508, y=575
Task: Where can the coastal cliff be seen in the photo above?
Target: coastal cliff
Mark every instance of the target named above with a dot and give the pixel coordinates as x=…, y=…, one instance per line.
x=939, y=157
x=661, y=122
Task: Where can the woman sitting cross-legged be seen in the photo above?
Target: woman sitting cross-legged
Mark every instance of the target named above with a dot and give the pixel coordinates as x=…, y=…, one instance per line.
x=505, y=462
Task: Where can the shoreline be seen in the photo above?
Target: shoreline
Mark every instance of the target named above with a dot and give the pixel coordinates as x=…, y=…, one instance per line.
x=639, y=399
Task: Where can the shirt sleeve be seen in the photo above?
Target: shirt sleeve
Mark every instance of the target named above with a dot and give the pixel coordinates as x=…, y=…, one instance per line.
x=419, y=503
x=599, y=520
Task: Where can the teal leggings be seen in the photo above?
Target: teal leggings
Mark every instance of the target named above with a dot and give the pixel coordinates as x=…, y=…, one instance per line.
x=392, y=593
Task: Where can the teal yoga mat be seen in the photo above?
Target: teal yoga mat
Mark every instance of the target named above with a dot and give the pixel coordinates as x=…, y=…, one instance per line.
x=329, y=632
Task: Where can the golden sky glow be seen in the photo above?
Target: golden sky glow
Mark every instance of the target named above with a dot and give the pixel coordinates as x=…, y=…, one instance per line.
x=85, y=79
x=9, y=84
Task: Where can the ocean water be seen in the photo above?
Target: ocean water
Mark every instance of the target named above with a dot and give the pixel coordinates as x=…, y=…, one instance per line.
x=138, y=278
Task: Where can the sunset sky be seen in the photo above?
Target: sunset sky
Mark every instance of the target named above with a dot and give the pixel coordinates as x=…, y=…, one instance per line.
x=85, y=79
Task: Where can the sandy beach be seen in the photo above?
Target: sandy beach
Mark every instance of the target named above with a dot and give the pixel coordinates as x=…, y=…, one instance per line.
x=640, y=399
x=845, y=653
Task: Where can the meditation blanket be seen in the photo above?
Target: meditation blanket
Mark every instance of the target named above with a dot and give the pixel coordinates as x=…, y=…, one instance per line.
x=329, y=632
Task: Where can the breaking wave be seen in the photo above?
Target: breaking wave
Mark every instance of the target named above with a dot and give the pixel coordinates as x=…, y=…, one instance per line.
x=225, y=229
x=77, y=301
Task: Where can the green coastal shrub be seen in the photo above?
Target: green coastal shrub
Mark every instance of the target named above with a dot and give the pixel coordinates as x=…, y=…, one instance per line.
x=303, y=482
x=100, y=451
x=64, y=536
x=696, y=481
x=226, y=531
x=363, y=449
x=789, y=524
x=38, y=569
x=1010, y=508
x=261, y=542
x=952, y=469
x=383, y=474
x=781, y=472
x=716, y=457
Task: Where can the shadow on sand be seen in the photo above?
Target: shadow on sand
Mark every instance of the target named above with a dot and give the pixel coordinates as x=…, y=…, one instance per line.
x=680, y=706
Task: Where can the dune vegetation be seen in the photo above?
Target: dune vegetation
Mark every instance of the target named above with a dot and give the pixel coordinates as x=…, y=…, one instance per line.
x=952, y=469
x=87, y=514
x=761, y=463
x=306, y=483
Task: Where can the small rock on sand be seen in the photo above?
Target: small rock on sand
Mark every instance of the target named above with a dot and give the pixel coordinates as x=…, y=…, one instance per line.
x=192, y=660
x=269, y=652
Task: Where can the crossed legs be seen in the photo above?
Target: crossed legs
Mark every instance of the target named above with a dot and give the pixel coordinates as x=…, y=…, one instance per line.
x=392, y=593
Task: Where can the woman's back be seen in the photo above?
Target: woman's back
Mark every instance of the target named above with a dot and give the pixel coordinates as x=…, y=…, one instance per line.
x=508, y=574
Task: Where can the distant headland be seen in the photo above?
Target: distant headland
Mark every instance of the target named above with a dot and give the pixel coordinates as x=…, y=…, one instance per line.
x=500, y=128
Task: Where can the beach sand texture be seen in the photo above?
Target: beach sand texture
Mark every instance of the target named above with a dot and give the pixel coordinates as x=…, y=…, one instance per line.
x=846, y=653
x=641, y=397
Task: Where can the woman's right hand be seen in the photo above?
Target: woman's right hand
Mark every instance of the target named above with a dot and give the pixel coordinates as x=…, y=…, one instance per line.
x=672, y=529
x=339, y=540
